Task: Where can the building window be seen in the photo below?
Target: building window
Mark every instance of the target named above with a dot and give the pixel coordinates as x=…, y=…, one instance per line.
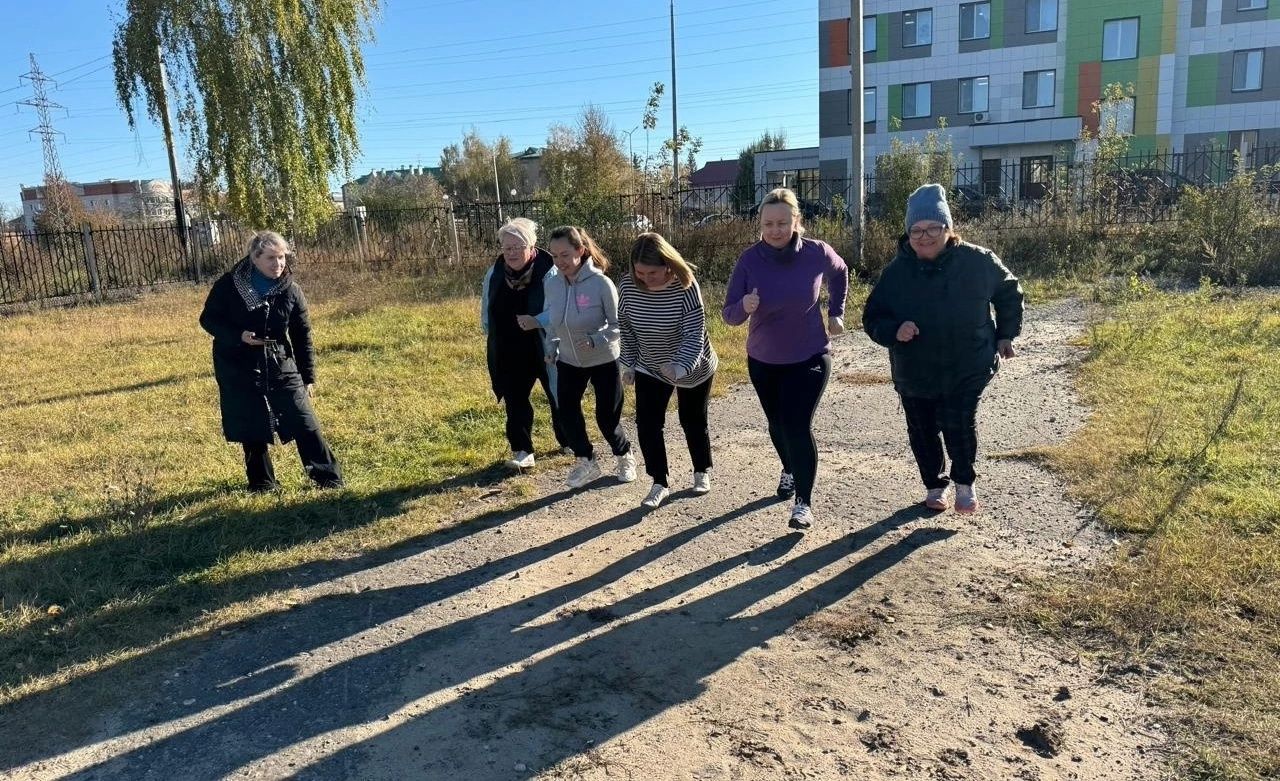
x=916, y=99
x=1246, y=76
x=973, y=94
x=975, y=21
x=1042, y=16
x=1120, y=39
x=1037, y=89
x=1116, y=116
x=1251, y=5
x=869, y=105
x=917, y=28
x=868, y=34
x=1037, y=173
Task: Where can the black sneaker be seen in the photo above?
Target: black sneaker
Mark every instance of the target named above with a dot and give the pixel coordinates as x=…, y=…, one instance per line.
x=786, y=486
x=801, y=516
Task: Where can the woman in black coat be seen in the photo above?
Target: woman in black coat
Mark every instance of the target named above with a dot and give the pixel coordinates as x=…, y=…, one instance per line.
x=511, y=300
x=264, y=363
x=933, y=309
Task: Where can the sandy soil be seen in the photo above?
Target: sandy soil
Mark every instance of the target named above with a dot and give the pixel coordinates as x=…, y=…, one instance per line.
x=576, y=636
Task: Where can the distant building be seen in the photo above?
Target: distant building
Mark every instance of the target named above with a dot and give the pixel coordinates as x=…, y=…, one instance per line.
x=794, y=168
x=148, y=200
x=530, y=161
x=350, y=199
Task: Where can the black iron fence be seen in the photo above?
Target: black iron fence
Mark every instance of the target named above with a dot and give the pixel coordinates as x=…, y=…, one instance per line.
x=1018, y=194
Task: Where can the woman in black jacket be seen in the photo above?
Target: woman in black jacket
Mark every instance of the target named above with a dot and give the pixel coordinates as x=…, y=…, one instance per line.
x=264, y=363
x=511, y=299
x=932, y=308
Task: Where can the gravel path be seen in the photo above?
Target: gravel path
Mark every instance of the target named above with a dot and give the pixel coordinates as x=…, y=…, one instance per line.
x=577, y=637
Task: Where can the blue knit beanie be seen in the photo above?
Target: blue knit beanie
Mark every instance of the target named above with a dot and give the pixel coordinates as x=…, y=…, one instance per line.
x=928, y=202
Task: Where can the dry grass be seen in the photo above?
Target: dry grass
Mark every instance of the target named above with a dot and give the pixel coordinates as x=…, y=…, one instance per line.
x=122, y=522
x=1182, y=451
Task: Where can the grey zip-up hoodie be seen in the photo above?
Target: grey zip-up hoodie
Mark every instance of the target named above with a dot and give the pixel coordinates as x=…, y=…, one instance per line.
x=586, y=307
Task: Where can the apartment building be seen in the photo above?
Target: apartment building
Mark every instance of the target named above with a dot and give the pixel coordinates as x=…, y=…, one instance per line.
x=148, y=200
x=1015, y=80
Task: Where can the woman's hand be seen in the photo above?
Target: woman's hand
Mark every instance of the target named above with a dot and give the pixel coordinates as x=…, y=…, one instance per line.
x=751, y=301
x=311, y=390
x=628, y=376
x=835, y=325
x=908, y=331
x=583, y=342
x=673, y=371
x=1005, y=348
x=527, y=322
x=249, y=338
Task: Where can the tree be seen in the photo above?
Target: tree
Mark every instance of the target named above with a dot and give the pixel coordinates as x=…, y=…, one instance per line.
x=744, y=190
x=264, y=93
x=467, y=170
x=909, y=164
x=586, y=169
x=69, y=214
x=684, y=143
x=391, y=192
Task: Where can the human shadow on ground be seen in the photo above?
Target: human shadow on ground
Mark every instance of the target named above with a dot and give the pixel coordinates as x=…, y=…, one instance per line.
x=167, y=558
x=588, y=691
x=258, y=644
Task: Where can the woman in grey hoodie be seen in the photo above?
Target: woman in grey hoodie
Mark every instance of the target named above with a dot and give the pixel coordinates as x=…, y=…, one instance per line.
x=581, y=318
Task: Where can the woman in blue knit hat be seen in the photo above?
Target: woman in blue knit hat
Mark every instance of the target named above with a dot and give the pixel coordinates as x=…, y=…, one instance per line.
x=933, y=308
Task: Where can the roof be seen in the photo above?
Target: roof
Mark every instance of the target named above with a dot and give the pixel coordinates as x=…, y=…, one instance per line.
x=717, y=173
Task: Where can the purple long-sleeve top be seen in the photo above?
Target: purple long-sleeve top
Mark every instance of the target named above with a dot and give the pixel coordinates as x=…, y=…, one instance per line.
x=787, y=327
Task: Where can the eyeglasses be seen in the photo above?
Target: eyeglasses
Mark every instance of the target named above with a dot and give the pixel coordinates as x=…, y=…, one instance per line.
x=516, y=248
x=933, y=232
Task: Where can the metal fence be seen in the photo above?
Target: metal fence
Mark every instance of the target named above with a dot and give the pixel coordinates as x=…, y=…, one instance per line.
x=92, y=263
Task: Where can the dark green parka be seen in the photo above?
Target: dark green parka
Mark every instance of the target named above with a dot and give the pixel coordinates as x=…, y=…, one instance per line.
x=951, y=300
x=261, y=390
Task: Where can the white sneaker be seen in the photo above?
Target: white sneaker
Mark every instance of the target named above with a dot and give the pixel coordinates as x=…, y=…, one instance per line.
x=520, y=460
x=966, y=499
x=801, y=516
x=626, y=468
x=786, y=485
x=936, y=498
x=701, y=482
x=584, y=471
x=657, y=495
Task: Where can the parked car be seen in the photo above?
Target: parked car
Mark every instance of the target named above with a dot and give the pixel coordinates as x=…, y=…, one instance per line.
x=1136, y=186
x=969, y=201
x=717, y=218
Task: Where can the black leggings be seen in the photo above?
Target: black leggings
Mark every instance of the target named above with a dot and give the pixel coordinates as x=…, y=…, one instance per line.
x=571, y=386
x=652, y=397
x=318, y=460
x=517, y=387
x=930, y=422
x=789, y=394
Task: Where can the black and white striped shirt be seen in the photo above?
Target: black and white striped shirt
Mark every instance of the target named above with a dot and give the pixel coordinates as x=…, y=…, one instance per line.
x=665, y=326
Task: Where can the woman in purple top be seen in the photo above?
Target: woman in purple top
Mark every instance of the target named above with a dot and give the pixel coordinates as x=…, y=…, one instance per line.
x=775, y=284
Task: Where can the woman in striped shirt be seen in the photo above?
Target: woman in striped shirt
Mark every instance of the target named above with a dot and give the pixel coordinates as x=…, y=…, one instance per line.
x=665, y=349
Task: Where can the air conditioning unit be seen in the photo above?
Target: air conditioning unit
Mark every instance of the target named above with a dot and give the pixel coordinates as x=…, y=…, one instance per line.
x=981, y=118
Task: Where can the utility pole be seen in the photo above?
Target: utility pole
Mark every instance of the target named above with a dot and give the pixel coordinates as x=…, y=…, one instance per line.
x=675, y=125
x=497, y=193
x=857, y=152
x=55, y=184
x=179, y=211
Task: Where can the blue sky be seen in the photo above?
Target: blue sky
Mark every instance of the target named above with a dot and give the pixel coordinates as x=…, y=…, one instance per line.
x=440, y=67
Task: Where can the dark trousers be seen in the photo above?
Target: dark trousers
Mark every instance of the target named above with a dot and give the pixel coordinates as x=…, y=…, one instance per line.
x=652, y=398
x=949, y=419
x=789, y=394
x=516, y=391
x=318, y=460
x=571, y=386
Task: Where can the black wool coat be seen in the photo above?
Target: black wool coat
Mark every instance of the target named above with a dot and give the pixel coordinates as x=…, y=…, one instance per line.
x=951, y=299
x=261, y=390
x=510, y=351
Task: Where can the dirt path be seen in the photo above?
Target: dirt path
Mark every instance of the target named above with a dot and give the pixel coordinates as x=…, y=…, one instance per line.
x=580, y=638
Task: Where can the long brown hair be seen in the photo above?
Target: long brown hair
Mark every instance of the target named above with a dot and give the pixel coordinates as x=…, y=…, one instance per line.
x=580, y=239
x=653, y=250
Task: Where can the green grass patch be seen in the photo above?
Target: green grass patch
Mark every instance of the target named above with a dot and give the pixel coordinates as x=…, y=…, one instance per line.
x=1182, y=451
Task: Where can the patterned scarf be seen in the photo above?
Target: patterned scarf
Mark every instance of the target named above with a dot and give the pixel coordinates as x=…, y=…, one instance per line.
x=243, y=276
x=518, y=280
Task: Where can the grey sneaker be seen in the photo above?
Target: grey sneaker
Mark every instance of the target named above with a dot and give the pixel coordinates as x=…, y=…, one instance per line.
x=786, y=486
x=657, y=495
x=626, y=468
x=701, y=482
x=584, y=471
x=936, y=498
x=801, y=516
x=966, y=499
